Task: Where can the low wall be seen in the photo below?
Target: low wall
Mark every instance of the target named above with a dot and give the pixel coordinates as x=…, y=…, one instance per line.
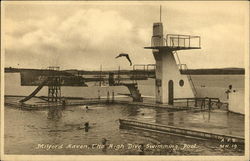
x=236, y=101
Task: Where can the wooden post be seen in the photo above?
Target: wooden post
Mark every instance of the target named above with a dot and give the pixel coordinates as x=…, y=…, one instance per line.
x=144, y=71
x=118, y=75
x=195, y=102
x=99, y=97
x=218, y=104
x=209, y=104
x=108, y=97
x=100, y=83
x=113, y=96
x=178, y=40
x=199, y=42
x=189, y=41
x=202, y=102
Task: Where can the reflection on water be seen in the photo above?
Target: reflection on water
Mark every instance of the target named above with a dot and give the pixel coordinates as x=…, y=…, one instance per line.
x=55, y=113
x=171, y=118
x=181, y=120
x=24, y=130
x=206, y=116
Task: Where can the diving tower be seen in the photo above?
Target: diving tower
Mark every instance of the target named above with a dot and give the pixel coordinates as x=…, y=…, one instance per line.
x=169, y=82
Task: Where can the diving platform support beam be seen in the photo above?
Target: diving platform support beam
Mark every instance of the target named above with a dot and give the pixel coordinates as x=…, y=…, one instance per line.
x=54, y=87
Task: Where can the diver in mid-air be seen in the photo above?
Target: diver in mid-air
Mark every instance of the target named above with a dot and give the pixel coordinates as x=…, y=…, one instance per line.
x=126, y=55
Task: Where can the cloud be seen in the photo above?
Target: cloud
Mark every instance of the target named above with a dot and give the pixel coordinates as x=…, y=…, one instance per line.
x=221, y=46
x=87, y=38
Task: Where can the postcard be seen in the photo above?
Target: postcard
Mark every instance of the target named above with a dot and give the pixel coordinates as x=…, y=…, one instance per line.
x=125, y=80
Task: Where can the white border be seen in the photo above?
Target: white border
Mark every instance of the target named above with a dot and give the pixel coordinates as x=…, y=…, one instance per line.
x=126, y=157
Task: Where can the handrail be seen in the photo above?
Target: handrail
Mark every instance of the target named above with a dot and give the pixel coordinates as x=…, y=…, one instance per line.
x=190, y=36
x=152, y=65
x=145, y=70
x=179, y=61
x=197, y=98
x=176, y=37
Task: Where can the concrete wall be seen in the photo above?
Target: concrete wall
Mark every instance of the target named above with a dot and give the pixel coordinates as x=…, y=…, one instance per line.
x=170, y=71
x=167, y=69
x=158, y=80
x=157, y=40
x=236, y=101
x=216, y=85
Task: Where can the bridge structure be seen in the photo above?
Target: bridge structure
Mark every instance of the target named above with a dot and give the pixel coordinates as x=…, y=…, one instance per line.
x=54, y=79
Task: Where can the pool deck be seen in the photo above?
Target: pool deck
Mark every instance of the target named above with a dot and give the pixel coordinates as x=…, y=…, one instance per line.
x=39, y=104
x=46, y=105
x=185, y=132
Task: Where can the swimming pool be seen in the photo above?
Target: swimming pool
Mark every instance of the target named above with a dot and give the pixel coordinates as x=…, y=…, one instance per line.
x=31, y=132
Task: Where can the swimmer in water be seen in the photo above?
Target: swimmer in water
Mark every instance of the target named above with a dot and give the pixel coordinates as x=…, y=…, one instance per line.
x=141, y=152
x=86, y=126
x=104, y=142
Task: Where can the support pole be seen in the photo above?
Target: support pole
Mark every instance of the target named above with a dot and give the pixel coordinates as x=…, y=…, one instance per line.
x=108, y=97
x=189, y=41
x=199, y=42
x=99, y=97
x=218, y=104
x=160, y=13
x=178, y=37
x=119, y=75
x=113, y=96
x=202, y=103
x=209, y=104
x=100, y=83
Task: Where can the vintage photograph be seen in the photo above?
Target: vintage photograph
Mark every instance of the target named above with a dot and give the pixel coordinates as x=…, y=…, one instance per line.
x=128, y=78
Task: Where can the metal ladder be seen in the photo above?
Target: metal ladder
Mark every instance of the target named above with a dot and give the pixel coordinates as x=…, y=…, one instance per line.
x=188, y=74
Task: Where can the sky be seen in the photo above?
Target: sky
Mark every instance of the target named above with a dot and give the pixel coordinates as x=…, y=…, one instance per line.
x=87, y=35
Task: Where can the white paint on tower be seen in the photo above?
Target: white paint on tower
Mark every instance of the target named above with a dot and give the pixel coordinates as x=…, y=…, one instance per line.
x=169, y=82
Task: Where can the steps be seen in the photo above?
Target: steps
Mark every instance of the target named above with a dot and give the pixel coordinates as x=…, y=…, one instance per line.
x=190, y=80
x=188, y=75
x=134, y=91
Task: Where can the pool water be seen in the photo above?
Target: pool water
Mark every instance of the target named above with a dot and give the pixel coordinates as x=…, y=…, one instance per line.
x=60, y=131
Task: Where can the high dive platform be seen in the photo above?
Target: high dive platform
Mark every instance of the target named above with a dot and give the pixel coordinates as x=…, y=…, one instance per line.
x=170, y=83
x=174, y=42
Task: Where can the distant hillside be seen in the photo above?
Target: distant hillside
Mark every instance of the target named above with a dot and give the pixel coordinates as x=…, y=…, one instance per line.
x=214, y=71
x=211, y=71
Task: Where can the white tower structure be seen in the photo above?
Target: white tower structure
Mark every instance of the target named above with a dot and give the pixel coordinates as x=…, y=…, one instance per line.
x=170, y=83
